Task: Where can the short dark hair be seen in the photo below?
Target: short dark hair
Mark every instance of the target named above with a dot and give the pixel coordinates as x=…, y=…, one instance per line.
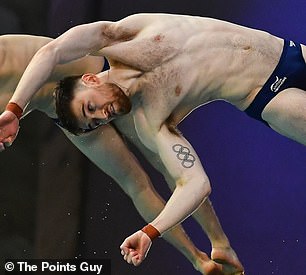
x=64, y=94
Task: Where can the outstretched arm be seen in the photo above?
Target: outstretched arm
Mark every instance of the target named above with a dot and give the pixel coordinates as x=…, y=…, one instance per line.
x=192, y=184
x=17, y=51
x=192, y=187
x=75, y=43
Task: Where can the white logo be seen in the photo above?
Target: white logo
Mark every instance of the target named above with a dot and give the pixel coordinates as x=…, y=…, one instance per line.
x=292, y=44
x=277, y=84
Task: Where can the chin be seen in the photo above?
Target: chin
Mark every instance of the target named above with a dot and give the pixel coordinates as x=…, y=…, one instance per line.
x=125, y=106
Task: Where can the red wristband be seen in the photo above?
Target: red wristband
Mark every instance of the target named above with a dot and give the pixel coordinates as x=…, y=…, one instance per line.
x=14, y=108
x=151, y=231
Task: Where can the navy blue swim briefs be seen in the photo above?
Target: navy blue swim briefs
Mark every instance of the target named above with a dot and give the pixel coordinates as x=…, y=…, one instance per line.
x=290, y=72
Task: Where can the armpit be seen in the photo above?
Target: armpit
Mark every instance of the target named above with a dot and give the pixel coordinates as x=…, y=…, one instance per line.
x=171, y=125
x=117, y=33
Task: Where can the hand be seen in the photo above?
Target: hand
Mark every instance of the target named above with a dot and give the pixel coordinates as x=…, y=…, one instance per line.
x=136, y=247
x=9, y=127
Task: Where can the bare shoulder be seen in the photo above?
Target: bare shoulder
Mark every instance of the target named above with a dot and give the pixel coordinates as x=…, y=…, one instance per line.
x=140, y=20
x=126, y=28
x=136, y=23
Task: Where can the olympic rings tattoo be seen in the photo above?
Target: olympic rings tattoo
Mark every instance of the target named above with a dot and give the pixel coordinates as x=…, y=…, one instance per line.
x=183, y=154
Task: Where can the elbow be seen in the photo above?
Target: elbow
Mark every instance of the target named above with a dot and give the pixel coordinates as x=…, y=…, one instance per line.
x=204, y=188
x=199, y=188
x=200, y=193
x=49, y=52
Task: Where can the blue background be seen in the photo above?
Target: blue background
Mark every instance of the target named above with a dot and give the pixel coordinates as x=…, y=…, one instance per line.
x=258, y=177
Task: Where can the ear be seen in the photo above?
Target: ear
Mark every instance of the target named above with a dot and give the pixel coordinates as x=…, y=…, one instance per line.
x=90, y=79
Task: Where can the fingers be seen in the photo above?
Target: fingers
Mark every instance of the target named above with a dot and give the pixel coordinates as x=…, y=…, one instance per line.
x=7, y=137
x=124, y=249
x=132, y=257
x=9, y=127
x=2, y=133
x=6, y=143
x=137, y=260
x=2, y=147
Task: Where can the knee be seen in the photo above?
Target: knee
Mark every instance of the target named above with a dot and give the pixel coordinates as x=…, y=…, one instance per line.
x=135, y=188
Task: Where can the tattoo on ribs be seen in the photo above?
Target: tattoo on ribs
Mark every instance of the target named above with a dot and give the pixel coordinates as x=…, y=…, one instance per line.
x=183, y=154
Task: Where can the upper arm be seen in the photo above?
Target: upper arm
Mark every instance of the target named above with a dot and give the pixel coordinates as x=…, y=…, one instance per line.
x=176, y=153
x=179, y=157
x=79, y=41
x=91, y=38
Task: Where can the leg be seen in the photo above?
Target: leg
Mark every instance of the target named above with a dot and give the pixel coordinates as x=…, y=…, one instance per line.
x=286, y=114
x=221, y=248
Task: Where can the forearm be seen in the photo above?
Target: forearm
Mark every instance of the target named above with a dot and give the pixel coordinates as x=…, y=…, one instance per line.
x=185, y=199
x=205, y=215
x=35, y=75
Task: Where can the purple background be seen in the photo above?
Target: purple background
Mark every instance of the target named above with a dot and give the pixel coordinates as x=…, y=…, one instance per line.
x=258, y=177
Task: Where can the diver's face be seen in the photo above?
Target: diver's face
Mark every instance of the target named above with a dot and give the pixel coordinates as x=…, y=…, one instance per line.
x=99, y=104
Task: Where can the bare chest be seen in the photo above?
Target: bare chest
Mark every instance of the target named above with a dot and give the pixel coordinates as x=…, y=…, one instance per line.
x=158, y=93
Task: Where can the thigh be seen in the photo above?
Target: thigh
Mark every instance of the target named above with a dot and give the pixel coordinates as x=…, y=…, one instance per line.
x=286, y=114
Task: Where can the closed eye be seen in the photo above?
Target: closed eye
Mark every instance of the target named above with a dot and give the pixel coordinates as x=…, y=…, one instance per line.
x=91, y=108
x=83, y=111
